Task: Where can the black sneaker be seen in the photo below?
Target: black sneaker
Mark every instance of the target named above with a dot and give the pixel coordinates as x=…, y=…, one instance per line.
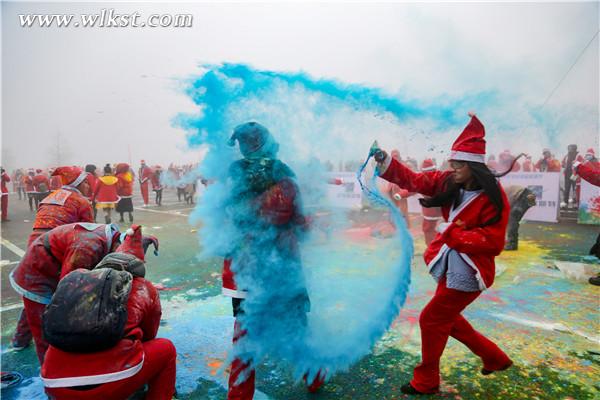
x=489, y=371
x=409, y=389
x=595, y=280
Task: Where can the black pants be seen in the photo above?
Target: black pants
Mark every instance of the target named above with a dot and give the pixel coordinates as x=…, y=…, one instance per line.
x=517, y=211
x=569, y=186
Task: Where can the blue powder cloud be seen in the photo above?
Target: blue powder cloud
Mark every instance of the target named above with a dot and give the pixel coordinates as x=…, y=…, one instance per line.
x=323, y=305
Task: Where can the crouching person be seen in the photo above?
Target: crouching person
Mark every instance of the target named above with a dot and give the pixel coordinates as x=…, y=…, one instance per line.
x=101, y=326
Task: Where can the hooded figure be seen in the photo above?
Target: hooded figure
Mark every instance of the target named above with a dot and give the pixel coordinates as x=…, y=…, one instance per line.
x=461, y=256
x=265, y=208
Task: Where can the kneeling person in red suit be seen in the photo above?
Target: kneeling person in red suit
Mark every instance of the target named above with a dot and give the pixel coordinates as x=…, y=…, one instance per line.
x=137, y=358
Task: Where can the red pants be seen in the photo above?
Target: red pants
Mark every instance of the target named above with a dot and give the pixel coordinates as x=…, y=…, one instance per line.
x=245, y=390
x=4, y=206
x=34, y=311
x=158, y=372
x=440, y=319
x=22, y=336
x=144, y=189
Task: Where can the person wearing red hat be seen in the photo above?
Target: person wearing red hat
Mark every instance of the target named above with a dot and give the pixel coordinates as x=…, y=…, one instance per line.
x=105, y=195
x=66, y=205
x=138, y=359
x=157, y=185
x=124, y=191
x=431, y=215
x=55, y=180
x=49, y=258
x=144, y=176
x=507, y=160
x=265, y=202
x=63, y=206
x=461, y=257
x=41, y=184
x=29, y=189
x=4, y=202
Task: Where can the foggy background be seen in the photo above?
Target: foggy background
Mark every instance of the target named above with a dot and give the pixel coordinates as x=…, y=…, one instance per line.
x=98, y=95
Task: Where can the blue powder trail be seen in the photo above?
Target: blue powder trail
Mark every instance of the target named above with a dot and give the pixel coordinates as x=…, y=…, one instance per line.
x=356, y=288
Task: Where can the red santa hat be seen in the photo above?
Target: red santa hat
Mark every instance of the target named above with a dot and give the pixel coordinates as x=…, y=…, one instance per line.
x=590, y=152
x=427, y=165
x=132, y=242
x=470, y=145
x=71, y=176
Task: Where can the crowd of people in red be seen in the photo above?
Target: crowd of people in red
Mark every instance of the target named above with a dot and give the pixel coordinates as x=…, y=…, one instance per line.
x=107, y=191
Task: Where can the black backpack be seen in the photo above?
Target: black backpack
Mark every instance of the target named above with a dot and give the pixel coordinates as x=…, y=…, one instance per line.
x=88, y=311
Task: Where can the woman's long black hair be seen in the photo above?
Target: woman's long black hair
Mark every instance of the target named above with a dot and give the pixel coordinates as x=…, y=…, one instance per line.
x=483, y=179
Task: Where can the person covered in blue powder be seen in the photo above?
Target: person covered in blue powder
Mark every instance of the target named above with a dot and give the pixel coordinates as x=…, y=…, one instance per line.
x=461, y=256
x=263, y=271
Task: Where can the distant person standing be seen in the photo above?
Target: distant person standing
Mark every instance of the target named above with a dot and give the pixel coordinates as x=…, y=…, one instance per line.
x=157, y=185
x=30, y=189
x=105, y=195
x=570, y=193
x=125, y=191
x=4, y=202
x=41, y=184
x=93, y=180
x=144, y=176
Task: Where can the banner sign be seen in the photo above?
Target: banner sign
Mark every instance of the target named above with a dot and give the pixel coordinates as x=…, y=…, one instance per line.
x=589, y=204
x=545, y=186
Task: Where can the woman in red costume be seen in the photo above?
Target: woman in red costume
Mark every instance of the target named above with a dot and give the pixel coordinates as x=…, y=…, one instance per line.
x=461, y=257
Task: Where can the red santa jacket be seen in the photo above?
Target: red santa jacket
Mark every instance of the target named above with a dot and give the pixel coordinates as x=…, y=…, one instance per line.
x=5, y=180
x=125, y=184
x=64, y=369
x=64, y=206
x=28, y=183
x=477, y=245
x=41, y=183
x=58, y=252
x=55, y=182
x=106, y=190
x=589, y=171
x=156, y=183
x=278, y=206
x=145, y=174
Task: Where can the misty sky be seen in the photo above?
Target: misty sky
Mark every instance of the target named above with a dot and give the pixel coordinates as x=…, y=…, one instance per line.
x=103, y=91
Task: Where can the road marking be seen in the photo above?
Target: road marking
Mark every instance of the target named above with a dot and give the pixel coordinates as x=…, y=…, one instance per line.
x=8, y=263
x=546, y=325
x=11, y=307
x=12, y=247
x=172, y=212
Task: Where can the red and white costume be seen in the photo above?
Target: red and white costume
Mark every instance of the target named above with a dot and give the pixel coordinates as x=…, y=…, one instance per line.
x=137, y=359
x=66, y=205
x=41, y=183
x=145, y=174
x=589, y=171
x=431, y=215
x=52, y=256
x=4, y=202
x=105, y=194
x=477, y=245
